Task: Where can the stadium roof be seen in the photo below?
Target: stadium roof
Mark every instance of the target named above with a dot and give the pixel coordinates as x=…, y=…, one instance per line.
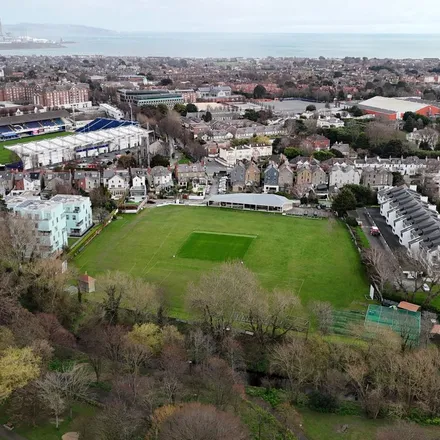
x=251, y=199
x=33, y=117
x=394, y=105
x=58, y=149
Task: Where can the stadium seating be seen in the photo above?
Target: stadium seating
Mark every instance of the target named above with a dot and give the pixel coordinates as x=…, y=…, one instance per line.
x=59, y=121
x=48, y=123
x=33, y=125
x=104, y=124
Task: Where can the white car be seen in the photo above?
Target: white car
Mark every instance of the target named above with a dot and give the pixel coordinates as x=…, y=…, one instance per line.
x=425, y=288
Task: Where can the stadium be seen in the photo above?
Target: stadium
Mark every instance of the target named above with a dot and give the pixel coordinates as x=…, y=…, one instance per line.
x=33, y=124
x=98, y=137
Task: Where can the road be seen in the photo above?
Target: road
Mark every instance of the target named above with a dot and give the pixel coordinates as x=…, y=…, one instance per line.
x=5, y=434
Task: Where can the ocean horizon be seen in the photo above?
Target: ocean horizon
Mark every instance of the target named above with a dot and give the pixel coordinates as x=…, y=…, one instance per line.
x=248, y=45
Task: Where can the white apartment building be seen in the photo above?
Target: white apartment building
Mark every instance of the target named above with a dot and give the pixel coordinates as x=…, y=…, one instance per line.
x=48, y=220
x=415, y=222
x=244, y=152
x=408, y=166
x=78, y=210
x=340, y=175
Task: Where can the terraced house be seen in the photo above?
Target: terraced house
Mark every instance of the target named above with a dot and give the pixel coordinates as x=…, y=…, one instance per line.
x=415, y=222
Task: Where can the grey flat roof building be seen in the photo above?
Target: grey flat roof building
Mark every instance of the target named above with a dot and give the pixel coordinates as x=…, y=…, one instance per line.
x=254, y=202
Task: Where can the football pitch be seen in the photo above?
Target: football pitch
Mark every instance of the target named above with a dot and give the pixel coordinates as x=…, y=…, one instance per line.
x=172, y=246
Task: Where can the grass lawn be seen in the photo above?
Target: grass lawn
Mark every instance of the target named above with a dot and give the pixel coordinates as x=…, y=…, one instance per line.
x=215, y=247
x=7, y=156
x=319, y=426
x=48, y=431
x=309, y=257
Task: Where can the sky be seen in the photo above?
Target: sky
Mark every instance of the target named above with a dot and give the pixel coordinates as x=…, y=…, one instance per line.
x=259, y=16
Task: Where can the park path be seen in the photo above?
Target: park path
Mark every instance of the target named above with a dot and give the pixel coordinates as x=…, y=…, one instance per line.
x=5, y=434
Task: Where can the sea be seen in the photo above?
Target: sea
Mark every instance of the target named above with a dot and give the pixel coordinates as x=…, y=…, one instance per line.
x=249, y=45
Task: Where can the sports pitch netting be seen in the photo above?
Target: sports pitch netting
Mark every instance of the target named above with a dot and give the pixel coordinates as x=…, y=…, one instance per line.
x=403, y=322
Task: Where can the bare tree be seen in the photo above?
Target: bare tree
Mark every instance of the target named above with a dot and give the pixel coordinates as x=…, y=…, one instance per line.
x=200, y=346
x=199, y=422
x=217, y=299
x=324, y=315
x=294, y=359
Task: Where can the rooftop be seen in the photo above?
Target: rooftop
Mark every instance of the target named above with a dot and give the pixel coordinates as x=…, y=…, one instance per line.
x=251, y=199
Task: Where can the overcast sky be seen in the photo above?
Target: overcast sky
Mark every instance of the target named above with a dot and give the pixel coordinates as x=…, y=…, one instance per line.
x=373, y=16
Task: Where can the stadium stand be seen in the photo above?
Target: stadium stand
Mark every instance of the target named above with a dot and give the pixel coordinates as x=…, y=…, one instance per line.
x=13, y=127
x=104, y=124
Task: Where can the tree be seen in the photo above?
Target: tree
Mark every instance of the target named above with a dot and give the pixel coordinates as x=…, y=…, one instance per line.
x=147, y=335
x=127, y=161
x=294, y=360
x=166, y=82
x=163, y=109
x=311, y=108
x=292, y=152
x=181, y=109
x=323, y=155
x=113, y=287
x=259, y=91
x=409, y=125
x=61, y=388
x=195, y=421
x=343, y=202
x=158, y=160
x=143, y=298
x=207, y=117
x=398, y=179
x=271, y=316
x=18, y=366
x=191, y=108
x=324, y=315
x=251, y=114
x=217, y=298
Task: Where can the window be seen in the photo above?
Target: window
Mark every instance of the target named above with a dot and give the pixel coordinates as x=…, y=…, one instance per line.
x=73, y=217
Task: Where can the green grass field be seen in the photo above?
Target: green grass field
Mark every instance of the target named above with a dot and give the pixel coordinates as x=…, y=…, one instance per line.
x=313, y=258
x=7, y=156
x=215, y=247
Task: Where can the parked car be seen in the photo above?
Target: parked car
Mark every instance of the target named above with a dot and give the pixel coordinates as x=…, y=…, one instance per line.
x=425, y=288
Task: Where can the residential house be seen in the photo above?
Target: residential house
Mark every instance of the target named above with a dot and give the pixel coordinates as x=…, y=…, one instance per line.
x=78, y=211
x=408, y=166
x=6, y=182
x=315, y=142
x=186, y=173
x=230, y=155
x=48, y=222
x=271, y=176
x=415, y=222
x=238, y=177
x=304, y=175
x=376, y=178
x=285, y=178
x=318, y=176
x=117, y=182
x=54, y=179
x=161, y=178
x=345, y=149
x=252, y=175
x=138, y=190
x=87, y=180
x=340, y=175
x=329, y=122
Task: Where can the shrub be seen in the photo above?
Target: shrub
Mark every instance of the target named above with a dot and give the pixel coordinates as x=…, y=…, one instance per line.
x=322, y=402
x=351, y=221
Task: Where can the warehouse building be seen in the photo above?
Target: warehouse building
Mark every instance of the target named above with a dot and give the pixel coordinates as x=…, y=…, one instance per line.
x=394, y=108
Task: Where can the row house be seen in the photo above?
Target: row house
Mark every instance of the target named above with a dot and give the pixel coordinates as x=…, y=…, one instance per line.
x=415, y=222
x=6, y=182
x=310, y=176
x=56, y=179
x=408, y=166
x=376, y=178
x=61, y=95
x=87, y=180
x=186, y=173
x=138, y=189
x=340, y=176
x=244, y=176
x=161, y=178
